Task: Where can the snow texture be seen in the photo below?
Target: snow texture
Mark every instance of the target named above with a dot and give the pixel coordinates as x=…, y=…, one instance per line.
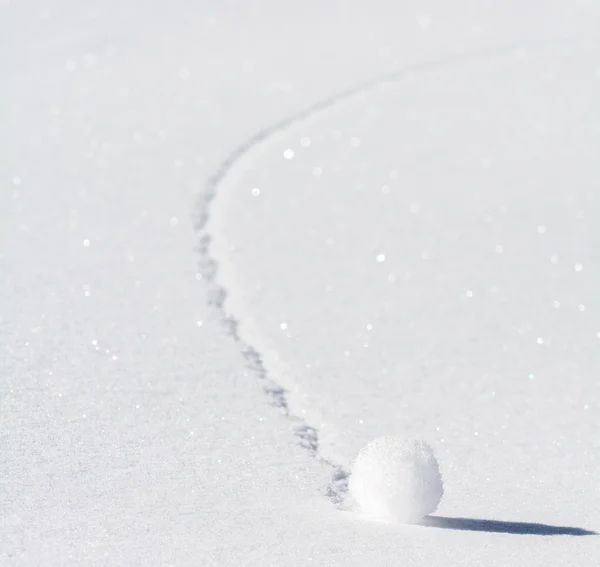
x=239, y=240
x=396, y=480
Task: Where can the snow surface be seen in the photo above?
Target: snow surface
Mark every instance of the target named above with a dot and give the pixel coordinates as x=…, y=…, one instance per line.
x=397, y=480
x=435, y=199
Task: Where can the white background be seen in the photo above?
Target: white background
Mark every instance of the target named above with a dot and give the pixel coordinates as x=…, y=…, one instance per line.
x=132, y=429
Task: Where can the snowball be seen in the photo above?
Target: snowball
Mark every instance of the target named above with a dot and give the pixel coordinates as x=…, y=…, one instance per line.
x=396, y=480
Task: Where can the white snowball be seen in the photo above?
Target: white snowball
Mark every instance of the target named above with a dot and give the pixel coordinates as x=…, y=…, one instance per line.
x=396, y=480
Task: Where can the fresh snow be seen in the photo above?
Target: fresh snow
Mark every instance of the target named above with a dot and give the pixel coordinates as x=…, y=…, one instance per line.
x=241, y=240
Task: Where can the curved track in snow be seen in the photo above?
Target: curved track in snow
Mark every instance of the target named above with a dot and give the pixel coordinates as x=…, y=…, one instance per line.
x=209, y=265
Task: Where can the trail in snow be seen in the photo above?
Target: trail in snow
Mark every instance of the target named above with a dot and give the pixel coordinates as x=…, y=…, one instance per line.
x=210, y=265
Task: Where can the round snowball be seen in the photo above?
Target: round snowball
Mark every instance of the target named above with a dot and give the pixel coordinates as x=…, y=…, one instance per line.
x=396, y=480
